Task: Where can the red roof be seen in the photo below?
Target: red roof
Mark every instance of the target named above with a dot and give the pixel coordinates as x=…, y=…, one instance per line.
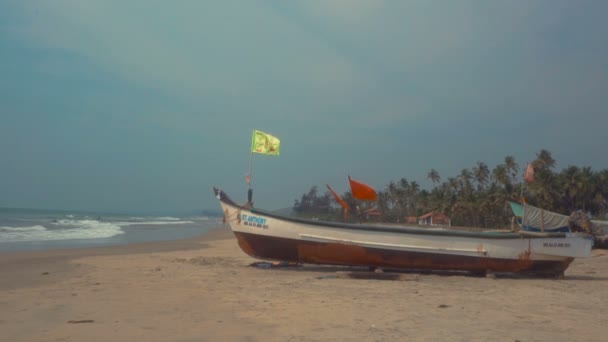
x=426, y=215
x=432, y=213
x=411, y=219
x=373, y=211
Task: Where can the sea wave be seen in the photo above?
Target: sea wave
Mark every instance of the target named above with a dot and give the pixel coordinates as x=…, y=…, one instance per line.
x=61, y=230
x=36, y=228
x=151, y=223
x=70, y=228
x=78, y=223
x=166, y=218
x=153, y=218
x=88, y=223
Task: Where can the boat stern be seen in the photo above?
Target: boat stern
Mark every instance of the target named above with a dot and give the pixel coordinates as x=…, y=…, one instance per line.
x=572, y=246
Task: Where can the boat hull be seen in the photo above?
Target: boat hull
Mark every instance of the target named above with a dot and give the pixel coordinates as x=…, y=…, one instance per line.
x=269, y=236
x=276, y=248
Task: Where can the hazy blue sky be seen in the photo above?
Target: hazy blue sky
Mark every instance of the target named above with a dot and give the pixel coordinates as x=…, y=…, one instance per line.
x=143, y=106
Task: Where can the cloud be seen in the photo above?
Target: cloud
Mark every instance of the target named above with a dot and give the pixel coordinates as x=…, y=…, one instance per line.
x=349, y=85
x=192, y=48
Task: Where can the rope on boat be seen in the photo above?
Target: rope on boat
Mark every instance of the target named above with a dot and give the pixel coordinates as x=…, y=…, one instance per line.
x=231, y=217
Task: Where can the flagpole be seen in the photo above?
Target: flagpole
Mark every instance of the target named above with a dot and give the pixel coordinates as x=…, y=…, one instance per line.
x=249, y=189
x=263, y=143
x=521, y=194
x=523, y=183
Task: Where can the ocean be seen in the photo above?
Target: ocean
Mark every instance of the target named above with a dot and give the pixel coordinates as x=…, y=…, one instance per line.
x=28, y=229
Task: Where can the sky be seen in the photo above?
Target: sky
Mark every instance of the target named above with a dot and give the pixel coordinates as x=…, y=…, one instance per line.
x=145, y=105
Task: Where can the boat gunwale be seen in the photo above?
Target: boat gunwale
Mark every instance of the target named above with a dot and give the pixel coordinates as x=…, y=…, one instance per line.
x=223, y=197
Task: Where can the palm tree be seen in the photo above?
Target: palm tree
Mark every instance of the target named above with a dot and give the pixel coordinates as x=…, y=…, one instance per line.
x=481, y=173
x=383, y=204
x=393, y=200
x=477, y=196
x=500, y=174
x=544, y=160
x=588, y=186
x=512, y=167
x=570, y=181
x=545, y=185
x=601, y=198
x=413, y=192
x=465, y=180
x=305, y=204
x=433, y=175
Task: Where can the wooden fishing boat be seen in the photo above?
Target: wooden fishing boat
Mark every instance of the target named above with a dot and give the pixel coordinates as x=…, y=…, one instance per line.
x=265, y=235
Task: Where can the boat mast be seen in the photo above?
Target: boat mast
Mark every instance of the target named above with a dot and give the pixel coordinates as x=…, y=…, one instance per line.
x=248, y=178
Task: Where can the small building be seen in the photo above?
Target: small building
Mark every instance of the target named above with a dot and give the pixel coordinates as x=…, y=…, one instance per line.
x=434, y=218
x=372, y=214
x=411, y=219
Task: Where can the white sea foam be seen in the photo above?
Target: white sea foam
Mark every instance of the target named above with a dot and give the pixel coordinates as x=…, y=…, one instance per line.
x=70, y=228
x=151, y=223
x=66, y=230
x=23, y=229
x=166, y=218
x=153, y=219
x=87, y=223
x=207, y=218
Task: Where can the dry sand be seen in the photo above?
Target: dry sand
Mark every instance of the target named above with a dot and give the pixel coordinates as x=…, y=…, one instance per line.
x=203, y=290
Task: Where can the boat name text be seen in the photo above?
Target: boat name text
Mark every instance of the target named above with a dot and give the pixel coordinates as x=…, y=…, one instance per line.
x=254, y=221
x=556, y=244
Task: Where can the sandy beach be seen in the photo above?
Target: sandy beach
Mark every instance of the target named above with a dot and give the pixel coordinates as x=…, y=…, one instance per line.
x=203, y=289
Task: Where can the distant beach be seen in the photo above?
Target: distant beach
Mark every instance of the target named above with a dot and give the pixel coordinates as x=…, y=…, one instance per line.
x=204, y=289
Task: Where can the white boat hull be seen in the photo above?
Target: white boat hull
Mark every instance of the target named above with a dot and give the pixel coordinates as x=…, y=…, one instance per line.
x=268, y=236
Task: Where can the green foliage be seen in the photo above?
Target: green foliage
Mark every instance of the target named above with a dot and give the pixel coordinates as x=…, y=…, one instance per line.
x=478, y=196
x=313, y=205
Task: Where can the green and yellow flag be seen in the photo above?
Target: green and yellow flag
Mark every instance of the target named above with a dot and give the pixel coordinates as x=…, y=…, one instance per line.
x=265, y=143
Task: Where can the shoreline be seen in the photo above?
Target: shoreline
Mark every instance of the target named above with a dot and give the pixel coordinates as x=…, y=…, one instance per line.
x=25, y=266
x=202, y=288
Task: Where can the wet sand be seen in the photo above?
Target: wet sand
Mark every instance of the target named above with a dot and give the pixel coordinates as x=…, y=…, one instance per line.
x=203, y=289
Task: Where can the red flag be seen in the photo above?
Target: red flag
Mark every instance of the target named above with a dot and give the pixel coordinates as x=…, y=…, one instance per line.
x=340, y=200
x=362, y=191
x=529, y=175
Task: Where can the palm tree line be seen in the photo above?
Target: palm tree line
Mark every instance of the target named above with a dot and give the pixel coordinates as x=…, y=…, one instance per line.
x=477, y=196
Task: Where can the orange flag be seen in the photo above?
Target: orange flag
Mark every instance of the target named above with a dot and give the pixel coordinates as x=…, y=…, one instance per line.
x=362, y=191
x=529, y=175
x=340, y=200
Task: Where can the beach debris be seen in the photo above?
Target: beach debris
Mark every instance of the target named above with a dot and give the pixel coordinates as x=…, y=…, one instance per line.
x=601, y=241
x=157, y=269
x=275, y=264
x=209, y=261
x=371, y=276
x=580, y=222
x=81, y=321
x=443, y=306
x=332, y=276
x=45, y=273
